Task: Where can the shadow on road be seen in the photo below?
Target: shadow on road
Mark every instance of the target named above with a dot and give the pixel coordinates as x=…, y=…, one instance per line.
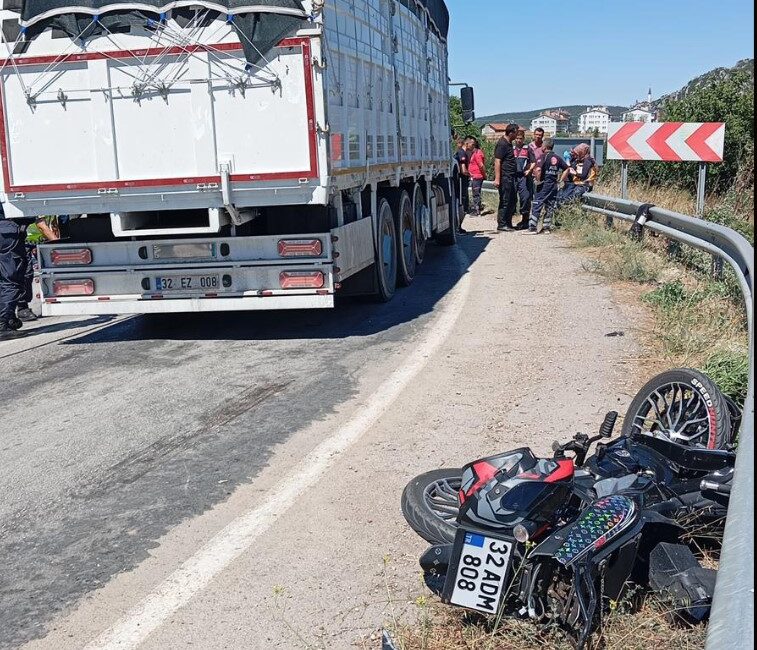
x=440, y=272
x=65, y=325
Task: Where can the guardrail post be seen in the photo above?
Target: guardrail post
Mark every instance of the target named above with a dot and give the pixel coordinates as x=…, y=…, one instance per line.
x=701, y=186
x=717, y=267
x=624, y=179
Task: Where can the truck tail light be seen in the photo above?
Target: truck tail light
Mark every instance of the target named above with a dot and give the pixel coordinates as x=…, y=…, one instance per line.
x=301, y=279
x=82, y=287
x=71, y=256
x=300, y=248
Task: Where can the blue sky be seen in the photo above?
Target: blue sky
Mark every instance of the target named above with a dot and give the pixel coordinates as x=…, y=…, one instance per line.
x=528, y=55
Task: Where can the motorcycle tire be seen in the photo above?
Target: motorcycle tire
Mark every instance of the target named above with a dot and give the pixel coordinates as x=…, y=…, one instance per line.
x=662, y=403
x=417, y=499
x=736, y=413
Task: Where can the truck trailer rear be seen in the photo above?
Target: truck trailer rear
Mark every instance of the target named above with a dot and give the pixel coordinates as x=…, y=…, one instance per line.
x=227, y=155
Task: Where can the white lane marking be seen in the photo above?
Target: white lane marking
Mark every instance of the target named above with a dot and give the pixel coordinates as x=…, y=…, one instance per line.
x=228, y=544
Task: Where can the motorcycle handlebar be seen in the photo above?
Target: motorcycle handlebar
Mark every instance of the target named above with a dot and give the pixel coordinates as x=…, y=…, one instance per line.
x=581, y=442
x=713, y=486
x=608, y=425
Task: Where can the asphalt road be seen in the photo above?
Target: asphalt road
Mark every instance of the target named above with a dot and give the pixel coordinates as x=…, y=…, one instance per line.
x=129, y=445
x=111, y=438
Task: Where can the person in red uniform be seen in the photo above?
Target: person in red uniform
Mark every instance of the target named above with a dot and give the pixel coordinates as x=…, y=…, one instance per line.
x=525, y=162
x=537, y=147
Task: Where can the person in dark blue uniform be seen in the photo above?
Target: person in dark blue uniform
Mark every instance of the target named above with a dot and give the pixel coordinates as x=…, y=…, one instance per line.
x=14, y=261
x=462, y=158
x=549, y=174
x=12, y=270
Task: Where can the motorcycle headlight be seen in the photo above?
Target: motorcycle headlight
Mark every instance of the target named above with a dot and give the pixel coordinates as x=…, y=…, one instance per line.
x=521, y=533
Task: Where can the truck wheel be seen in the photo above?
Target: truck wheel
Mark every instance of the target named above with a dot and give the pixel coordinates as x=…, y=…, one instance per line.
x=449, y=237
x=419, y=209
x=386, y=253
x=404, y=223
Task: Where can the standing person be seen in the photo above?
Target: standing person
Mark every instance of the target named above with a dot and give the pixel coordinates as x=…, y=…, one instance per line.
x=551, y=168
x=13, y=269
x=525, y=163
x=477, y=168
x=461, y=155
x=504, y=178
x=537, y=147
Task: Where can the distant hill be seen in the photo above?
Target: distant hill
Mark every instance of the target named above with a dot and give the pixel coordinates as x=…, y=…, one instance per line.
x=718, y=74
x=524, y=117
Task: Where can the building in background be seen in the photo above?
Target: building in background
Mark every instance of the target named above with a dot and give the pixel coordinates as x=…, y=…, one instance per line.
x=552, y=122
x=493, y=132
x=644, y=111
x=593, y=119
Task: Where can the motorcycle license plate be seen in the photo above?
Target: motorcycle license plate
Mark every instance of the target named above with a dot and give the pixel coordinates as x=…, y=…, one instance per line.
x=479, y=570
x=209, y=282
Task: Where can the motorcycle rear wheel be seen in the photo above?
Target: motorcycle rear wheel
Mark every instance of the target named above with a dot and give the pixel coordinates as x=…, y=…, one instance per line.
x=682, y=405
x=430, y=504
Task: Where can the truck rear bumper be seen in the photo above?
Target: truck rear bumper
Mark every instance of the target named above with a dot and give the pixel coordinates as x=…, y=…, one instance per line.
x=80, y=306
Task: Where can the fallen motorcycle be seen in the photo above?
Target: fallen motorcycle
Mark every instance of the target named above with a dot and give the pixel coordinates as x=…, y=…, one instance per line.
x=557, y=539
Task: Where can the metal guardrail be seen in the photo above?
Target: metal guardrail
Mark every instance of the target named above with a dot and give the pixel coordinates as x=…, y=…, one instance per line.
x=732, y=617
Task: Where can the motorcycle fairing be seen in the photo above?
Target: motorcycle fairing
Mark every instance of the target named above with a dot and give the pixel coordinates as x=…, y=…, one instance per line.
x=504, y=504
x=480, y=472
x=512, y=467
x=597, y=525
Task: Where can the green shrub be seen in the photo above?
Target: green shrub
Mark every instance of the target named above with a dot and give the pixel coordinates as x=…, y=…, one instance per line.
x=667, y=295
x=725, y=214
x=729, y=369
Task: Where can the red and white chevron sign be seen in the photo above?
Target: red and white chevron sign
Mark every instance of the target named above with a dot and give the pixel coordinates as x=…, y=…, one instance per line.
x=668, y=141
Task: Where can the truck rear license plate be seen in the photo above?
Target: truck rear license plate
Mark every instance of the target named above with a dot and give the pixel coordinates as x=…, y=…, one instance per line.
x=188, y=283
x=479, y=573
x=185, y=251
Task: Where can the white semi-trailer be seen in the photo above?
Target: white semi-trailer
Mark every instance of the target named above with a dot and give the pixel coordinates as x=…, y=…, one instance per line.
x=227, y=155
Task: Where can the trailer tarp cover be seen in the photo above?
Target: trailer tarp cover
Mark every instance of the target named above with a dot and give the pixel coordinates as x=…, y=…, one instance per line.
x=439, y=14
x=33, y=11
x=260, y=24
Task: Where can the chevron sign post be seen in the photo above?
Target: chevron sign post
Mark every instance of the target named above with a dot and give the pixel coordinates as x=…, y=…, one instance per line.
x=668, y=141
x=700, y=142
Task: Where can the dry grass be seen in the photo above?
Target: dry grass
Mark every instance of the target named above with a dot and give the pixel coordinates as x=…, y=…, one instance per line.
x=445, y=628
x=672, y=198
x=666, y=197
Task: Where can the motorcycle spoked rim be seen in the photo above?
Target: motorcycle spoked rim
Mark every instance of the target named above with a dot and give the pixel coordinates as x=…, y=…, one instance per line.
x=703, y=407
x=444, y=492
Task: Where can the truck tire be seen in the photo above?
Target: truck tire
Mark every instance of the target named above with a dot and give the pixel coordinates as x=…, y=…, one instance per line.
x=419, y=210
x=404, y=224
x=386, y=252
x=449, y=237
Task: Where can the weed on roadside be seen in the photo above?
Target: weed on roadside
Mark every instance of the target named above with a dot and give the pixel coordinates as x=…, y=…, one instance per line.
x=615, y=256
x=699, y=320
x=626, y=627
x=729, y=369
